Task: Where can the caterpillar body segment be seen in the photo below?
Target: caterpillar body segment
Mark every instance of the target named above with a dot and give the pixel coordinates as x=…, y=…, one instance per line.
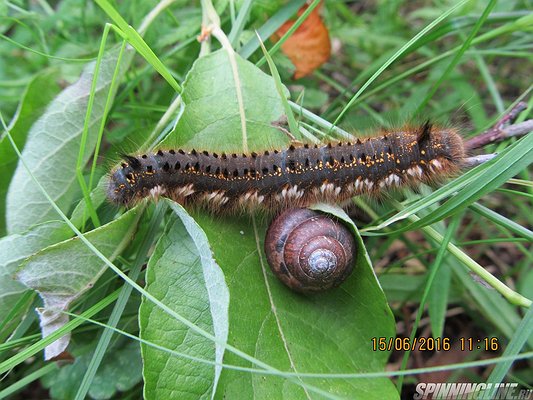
x=292, y=177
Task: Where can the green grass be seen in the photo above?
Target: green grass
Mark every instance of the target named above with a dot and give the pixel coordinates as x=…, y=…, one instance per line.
x=456, y=63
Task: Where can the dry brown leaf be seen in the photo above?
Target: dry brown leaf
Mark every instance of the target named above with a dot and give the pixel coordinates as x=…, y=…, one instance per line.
x=309, y=46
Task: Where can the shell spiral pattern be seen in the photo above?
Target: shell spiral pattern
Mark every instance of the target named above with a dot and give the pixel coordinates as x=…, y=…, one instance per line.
x=294, y=177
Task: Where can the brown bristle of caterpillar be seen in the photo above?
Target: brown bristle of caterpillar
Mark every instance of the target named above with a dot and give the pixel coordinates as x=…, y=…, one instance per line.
x=294, y=177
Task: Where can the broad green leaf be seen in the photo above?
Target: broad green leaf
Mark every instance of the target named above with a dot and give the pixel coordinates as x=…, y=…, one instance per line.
x=13, y=250
x=267, y=320
x=61, y=273
x=52, y=148
x=120, y=371
x=329, y=332
x=40, y=91
x=213, y=119
x=183, y=274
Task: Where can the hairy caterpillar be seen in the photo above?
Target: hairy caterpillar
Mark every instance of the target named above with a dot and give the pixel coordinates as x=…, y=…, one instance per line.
x=293, y=177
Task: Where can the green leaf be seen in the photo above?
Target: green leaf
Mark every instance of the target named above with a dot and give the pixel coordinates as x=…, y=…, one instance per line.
x=13, y=250
x=329, y=332
x=183, y=274
x=40, y=91
x=267, y=320
x=213, y=120
x=61, y=273
x=120, y=371
x=52, y=149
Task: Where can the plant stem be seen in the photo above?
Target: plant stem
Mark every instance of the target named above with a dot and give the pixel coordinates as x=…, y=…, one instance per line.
x=499, y=131
x=512, y=296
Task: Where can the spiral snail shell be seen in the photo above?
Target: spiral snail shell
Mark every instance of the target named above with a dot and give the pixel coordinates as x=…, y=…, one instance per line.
x=309, y=251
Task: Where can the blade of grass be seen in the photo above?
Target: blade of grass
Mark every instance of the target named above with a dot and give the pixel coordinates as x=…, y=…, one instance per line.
x=85, y=133
x=515, y=193
x=138, y=43
x=238, y=26
x=23, y=302
x=521, y=182
x=487, y=77
x=361, y=375
x=152, y=15
x=457, y=57
x=8, y=39
x=515, y=26
x=33, y=349
x=120, y=305
x=510, y=162
x=107, y=107
x=512, y=296
x=502, y=221
x=453, y=25
x=522, y=334
x=23, y=341
x=431, y=278
x=20, y=384
x=79, y=319
x=396, y=55
x=320, y=121
x=293, y=125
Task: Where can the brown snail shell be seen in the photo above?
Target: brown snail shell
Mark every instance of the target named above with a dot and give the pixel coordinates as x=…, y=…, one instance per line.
x=309, y=251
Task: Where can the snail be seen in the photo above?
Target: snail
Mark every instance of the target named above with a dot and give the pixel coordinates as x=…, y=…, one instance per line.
x=309, y=251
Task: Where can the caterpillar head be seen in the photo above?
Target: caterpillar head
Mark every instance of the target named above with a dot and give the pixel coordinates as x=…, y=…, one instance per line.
x=121, y=185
